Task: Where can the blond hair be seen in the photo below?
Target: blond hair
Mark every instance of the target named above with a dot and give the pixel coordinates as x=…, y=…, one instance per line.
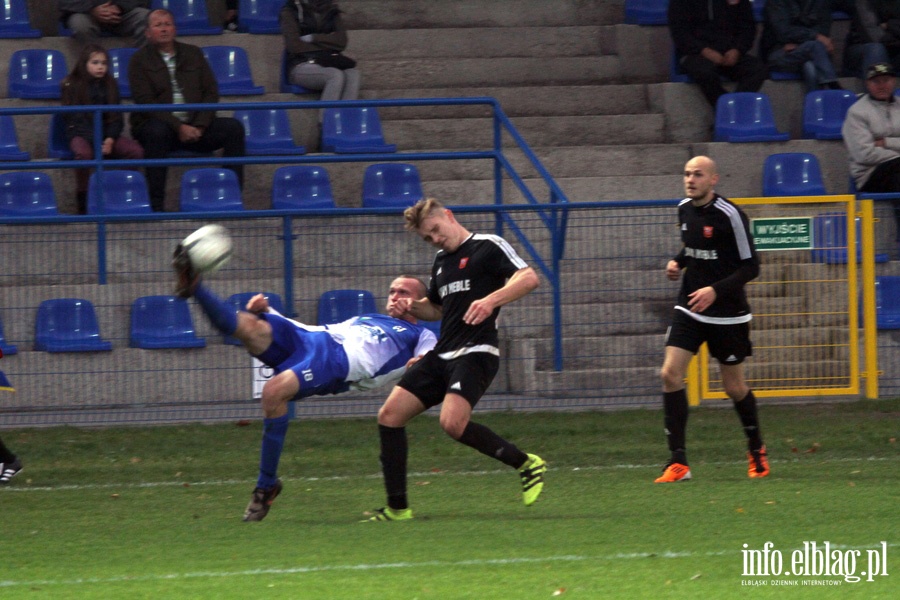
x=418, y=212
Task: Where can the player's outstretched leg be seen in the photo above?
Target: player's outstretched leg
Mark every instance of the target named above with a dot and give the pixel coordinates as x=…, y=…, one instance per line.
x=390, y=514
x=10, y=470
x=261, y=502
x=758, y=463
x=532, y=474
x=675, y=409
x=187, y=278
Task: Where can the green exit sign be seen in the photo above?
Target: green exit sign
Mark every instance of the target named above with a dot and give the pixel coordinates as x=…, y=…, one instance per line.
x=794, y=233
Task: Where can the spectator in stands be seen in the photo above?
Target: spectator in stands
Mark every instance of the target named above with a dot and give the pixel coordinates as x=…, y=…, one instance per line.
x=874, y=36
x=90, y=82
x=872, y=136
x=89, y=18
x=10, y=464
x=796, y=39
x=713, y=38
x=314, y=39
x=166, y=71
x=231, y=15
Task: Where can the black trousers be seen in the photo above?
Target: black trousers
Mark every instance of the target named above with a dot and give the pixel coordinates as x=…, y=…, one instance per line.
x=749, y=73
x=886, y=179
x=158, y=139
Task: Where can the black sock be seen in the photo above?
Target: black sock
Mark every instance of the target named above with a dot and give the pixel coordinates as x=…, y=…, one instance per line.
x=394, y=450
x=490, y=444
x=5, y=455
x=675, y=408
x=746, y=410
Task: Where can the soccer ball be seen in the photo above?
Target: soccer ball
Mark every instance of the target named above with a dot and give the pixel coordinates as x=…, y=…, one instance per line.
x=209, y=248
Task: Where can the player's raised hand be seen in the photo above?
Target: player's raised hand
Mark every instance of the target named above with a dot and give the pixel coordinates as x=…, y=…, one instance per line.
x=258, y=304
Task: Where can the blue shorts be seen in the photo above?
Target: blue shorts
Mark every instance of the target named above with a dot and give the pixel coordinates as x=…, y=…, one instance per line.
x=318, y=361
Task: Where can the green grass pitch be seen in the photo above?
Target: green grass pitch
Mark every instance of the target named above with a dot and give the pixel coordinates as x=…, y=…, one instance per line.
x=155, y=512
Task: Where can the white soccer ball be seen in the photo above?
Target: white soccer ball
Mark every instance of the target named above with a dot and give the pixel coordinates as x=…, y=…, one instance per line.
x=209, y=248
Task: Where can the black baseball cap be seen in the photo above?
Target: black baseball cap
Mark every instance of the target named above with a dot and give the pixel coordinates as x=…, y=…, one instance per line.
x=879, y=69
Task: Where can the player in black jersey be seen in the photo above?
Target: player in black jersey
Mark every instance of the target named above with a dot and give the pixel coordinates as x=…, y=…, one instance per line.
x=472, y=277
x=718, y=259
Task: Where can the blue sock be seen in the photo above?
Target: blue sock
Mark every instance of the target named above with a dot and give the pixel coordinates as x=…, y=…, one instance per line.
x=274, y=432
x=222, y=315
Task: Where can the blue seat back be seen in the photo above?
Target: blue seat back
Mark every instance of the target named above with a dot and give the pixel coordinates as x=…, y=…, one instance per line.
x=57, y=144
x=68, y=325
x=339, y=305
x=792, y=174
x=268, y=132
x=27, y=194
x=118, y=66
x=259, y=16
x=887, y=302
x=830, y=238
x=36, y=73
x=746, y=117
x=391, y=185
x=210, y=189
x=163, y=322
x=348, y=130
x=646, y=12
x=191, y=16
x=9, y=141
x=824, y=112
x=231, y=67
x=239, y=302
x=14, y=21
x=302, y=186
x=118, y=193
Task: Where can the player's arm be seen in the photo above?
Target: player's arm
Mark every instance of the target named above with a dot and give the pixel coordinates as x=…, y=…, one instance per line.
x=521, y=283
x=425, y=310
x=258, y=304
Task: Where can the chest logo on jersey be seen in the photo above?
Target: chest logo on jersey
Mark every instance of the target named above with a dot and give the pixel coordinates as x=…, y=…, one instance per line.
x=707, y=231
x=463, y=262
x=453, y=287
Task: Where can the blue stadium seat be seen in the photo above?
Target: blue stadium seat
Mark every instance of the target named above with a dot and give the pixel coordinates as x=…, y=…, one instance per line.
x=746, y=117
x=231, y=67
x=210, y=189
x=162, y=322
x=57, y=144
x=5, y=347
x=259, y=16
x=758, y=6
x=284, y=84
x=9, y=141
x=792, y=174
x=339, y=305
x=887, y=302
x=302, y=186
x=27, y=194
x=36, y=73
x=191, y=16
x=118, y=193
x=824, y=112
x=268, y=132
x=353, y=130
x=388, y=185
x=646, y=12
x=239, y=302
x=118, y=66
x=68, y=325
x=14, y=21
x=830, y=237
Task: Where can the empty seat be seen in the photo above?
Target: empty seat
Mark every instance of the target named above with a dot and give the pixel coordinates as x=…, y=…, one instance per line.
x=887, y=302
x=14, y=21
x=163, y=322
x=68, y=325
x=284, y=84
x=353, y=130
x=6, y=348
x=118, y=66
x=191, y=17
x=231, y=67
x=210, y=189
x=27, y=194
x=824, y=112
x=830, y=237
x=302, y=186
x=268, y=132
x=57, y=144
x=239, y=302
x=36, y=73
x=259, y=16
x=339, y=305
x=646, y=12
x=389, y=185
x=9, y=141
x=746, y=117
x=118, y=193
x=792, y=174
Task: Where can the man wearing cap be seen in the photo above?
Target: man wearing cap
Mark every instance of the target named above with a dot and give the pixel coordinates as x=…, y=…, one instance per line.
x=872, y=135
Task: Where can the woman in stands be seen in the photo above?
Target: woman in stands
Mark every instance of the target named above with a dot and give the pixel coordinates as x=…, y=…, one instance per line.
x=314, y=38
x=91, y=83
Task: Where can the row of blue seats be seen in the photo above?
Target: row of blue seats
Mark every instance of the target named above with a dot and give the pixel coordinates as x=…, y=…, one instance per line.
x=71, y=325
x=191, y=16
x=655, y=12
x=31, y=193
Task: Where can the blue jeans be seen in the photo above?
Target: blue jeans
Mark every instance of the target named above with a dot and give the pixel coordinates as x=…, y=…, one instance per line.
x=859, y=57
x=809, y=58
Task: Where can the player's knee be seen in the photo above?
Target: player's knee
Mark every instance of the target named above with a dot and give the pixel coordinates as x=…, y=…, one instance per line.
x=453, y=427
x=389, y=416
x=671, y=379
x=736, y=392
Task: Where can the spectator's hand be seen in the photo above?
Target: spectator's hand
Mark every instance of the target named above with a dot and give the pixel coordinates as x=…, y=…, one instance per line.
x=108, y=13
x=673, y=271
x=731, y=57
x=108, y=146
x=188, y=133
x=701, y=299
x=712, y=56
x=826, y=41
x=306, y=38
x=789, y=47
x=258, y=304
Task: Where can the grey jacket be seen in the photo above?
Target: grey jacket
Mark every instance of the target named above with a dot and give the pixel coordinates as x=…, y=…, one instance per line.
x=868, y=120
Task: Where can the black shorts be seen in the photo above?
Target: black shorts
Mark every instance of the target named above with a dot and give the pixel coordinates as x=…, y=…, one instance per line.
x=728, y=344
x=432, y=377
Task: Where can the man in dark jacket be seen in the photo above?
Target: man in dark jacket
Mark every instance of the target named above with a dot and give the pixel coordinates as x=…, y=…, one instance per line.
x=713, y=38
x=89, y=18
x=169, y=72
x=874, y=36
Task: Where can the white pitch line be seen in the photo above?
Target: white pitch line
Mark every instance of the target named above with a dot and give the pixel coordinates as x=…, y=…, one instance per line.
x=418, y=475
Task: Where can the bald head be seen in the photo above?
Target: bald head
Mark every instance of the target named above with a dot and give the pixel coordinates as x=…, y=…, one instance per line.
x=700, y=179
